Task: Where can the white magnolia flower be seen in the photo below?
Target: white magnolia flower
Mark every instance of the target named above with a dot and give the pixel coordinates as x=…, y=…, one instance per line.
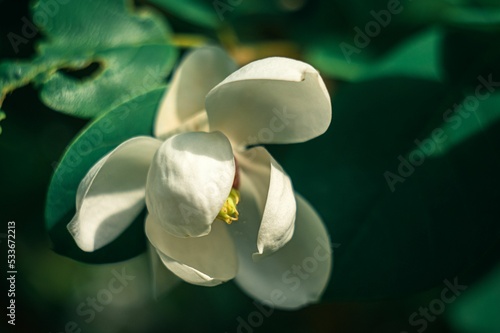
x=219, y=210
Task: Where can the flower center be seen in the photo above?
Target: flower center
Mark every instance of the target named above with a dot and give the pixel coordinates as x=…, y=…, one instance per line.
x=229, y=212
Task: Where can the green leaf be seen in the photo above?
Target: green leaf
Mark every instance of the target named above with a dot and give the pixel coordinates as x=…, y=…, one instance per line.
x=469, y=118
x=133, y=118
x=2, y=117
x=130, y=48
x=476, y=311
x=127, y=72
x=332, y=56
x=419, y=57
x=433, y=224
x=465, y=13
x=197, y=12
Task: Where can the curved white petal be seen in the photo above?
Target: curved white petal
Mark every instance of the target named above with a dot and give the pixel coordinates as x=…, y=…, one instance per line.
x=275, y=198
x=274, y=100
x=208, y=260
x=184, y=101
x=189, y=180
x=111, y=195
x=163, y=280
x=292, y=277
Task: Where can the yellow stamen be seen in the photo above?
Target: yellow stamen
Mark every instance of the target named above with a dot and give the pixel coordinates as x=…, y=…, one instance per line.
x=228, y=212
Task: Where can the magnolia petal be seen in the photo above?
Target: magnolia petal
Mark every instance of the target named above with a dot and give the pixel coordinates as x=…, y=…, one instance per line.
x=292, y=277
x=189, y=180
x=274, y=100
x=184, y=101
x=275, y=198
x=208, y=260
x=111, y=195
x=163, y=280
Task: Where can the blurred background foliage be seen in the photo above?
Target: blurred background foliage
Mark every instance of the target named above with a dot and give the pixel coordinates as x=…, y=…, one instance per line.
x=406, y=178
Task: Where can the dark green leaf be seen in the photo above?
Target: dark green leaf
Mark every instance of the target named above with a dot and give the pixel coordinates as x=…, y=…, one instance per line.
x=409, y=236
x=465, y=13
x=198, y=12
x=476, y=311
x=471, y=117
x=2, y=117
x=335, y=57
x=417, y=57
